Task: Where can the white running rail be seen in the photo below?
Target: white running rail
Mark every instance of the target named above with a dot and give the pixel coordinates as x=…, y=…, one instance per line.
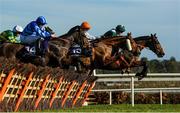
x=132, y=78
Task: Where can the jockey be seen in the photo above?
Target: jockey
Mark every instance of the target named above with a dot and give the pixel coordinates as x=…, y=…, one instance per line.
x=35, y=34
x=12, y=36
x=81, y=37
x=115, y=32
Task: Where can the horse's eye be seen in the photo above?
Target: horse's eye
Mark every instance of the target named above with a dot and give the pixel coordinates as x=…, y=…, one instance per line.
x=157, y=42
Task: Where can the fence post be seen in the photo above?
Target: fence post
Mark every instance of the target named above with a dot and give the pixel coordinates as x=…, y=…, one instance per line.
x=20, y=99
x=94, y=72
x=110, y=97
x=6, y=82
x=79, y=93
x=67, y=92
x=132, y=91
x=161, y=101
x=40, y=93
x=55, y=92
x=88, y=92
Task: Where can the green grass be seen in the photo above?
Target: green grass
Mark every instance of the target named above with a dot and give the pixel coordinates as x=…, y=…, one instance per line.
x=124, y=108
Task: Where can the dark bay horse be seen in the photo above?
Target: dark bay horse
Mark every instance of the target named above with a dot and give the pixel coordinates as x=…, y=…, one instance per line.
x=57, y=49
x=105, y=46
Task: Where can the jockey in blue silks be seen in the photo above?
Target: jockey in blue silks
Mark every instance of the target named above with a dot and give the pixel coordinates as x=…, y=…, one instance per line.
x=35, y=34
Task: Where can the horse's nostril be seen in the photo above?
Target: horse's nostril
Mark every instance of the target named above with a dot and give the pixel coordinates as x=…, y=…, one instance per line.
x=162, y=54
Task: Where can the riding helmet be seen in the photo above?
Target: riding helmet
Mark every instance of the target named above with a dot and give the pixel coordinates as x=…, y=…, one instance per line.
x=41, y=20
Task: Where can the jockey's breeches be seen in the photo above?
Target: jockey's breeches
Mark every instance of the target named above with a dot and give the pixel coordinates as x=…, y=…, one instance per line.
x=29, y=39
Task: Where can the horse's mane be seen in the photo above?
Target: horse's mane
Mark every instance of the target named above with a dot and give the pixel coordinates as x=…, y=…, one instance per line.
x=61, y=39
x=141, y=38
x=108, y=38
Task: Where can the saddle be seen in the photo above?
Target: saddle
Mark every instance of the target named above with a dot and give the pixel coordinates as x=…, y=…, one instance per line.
x=80, y=57
x=33, y=51
x=77, y=51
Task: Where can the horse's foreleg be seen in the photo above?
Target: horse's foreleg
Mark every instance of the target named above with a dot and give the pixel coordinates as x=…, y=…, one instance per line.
x=90, y=73
x=144, y=71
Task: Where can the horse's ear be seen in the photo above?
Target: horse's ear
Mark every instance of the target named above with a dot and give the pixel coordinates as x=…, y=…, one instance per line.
x=129, y=33
x=151, y=35
x=155, y=35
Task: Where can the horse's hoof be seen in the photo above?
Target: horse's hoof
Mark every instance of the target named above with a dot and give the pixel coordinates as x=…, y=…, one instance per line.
x=145, y=75
x=140, y=77
x=138, y=74
x=128, y=70
x=122, y=72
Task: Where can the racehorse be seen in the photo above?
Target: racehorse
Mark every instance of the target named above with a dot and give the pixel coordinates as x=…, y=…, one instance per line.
x=150, y=42
x=56, y=51
x=126, y=59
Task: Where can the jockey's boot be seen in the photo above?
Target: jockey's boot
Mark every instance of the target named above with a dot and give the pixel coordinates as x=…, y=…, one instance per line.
x=79, y=68
x=89, y=52
x=38, y=47
x=78, y=64
x=40, y=53
x=42, y=58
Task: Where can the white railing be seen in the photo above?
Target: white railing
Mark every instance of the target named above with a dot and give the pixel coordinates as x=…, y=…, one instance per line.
x=131, y=78
x=128, y=77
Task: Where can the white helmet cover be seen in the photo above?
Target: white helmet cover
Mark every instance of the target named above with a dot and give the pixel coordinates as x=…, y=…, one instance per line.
x=17, y=28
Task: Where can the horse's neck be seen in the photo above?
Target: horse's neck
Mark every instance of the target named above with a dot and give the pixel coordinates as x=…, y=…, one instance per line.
x=61, y=42
x=142, y=42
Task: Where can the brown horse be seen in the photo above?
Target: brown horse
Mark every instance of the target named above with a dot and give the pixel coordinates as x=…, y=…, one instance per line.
x=107, y=48
x=103, y=59
x=130, y=59
x=150, y=42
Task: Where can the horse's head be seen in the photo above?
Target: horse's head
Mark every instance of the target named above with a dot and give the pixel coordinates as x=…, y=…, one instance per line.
x=155, y=46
